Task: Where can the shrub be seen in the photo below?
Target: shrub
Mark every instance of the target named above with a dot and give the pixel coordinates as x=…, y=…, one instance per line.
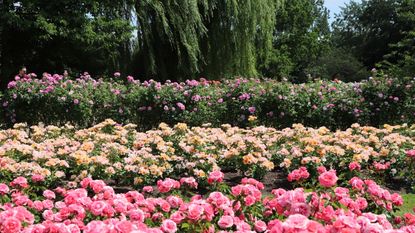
x=86, y=101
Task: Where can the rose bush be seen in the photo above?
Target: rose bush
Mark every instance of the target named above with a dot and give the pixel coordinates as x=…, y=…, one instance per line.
x=380, y=153
x=123, y=155
x=92, y=206
x=85, y=101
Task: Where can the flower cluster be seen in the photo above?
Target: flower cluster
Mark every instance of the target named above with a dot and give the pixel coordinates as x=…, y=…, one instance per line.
x=376, y=151
x=94, y=207
x=120, y=153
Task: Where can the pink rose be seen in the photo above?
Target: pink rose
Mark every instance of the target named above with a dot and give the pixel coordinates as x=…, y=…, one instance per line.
x=19, y=181
x=314, y=226
x=296, y=223
x=249, y=200
x=11, y=225
x=167, y=184
x=243, y=226
x=298, y=174
x=354, y=166
x=136, y=215
x=361, y=202
x=181, y=106
x=300, y=208
x=225, y=221
x=275, y=226
x=260, y=226
x=165, y=206
x=97, y=185
x=49, y=194
x=321, y=169
x=174, y=201
x=148, y=189
x=190, y=181
x=38, y=178
x=97, y=207
x=328, y=179
x=47, y=204
x=215, y=176
x=397, y=199
x=38, y=205
x=218, y=199
x=96, y=227
x=236, y=190
x=410, y=153
x=130, y=79
x=177, y=217
x=4, y=189
x=195, y=211
x=85, y=182
x=124, y=226
x=169, y=226
x=373, y=228
x=356, y=183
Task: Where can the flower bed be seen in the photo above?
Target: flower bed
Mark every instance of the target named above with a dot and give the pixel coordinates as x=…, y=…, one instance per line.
x=362, y=206
x=125, y=156
x=120, y=153
x=53, y=179
x=380, y=153
x=86, y=101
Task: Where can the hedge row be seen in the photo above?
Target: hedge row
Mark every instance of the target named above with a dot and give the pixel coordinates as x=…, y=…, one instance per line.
x=85, y=101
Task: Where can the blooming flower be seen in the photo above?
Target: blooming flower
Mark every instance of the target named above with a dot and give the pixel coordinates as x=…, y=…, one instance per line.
x=328, y=178
x=181, y=106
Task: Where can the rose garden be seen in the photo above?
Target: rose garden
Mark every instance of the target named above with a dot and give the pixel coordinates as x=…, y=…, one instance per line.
x=216, y=172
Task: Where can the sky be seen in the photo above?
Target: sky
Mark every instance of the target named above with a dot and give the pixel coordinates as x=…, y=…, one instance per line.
x=334, y=6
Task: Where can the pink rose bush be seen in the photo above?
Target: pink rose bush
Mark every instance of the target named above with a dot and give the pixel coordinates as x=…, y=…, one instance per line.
x=96, y=207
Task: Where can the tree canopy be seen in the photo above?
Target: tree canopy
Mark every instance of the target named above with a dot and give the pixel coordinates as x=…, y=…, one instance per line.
x=180, y=39
x=52, y=35
x=208, y=37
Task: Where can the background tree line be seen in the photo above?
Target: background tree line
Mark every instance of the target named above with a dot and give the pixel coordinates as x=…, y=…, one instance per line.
x=180, y=39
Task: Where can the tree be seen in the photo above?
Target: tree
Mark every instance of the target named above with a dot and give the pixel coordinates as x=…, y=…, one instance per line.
x=50, y=35
x=401, y=60
x=215, y=38
x=338, y=63
x=301, y=35
x=368, y=28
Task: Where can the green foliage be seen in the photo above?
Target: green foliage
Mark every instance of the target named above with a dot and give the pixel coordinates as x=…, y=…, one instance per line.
x=301, y=36
x=168, y=36
x=338, y=63
x=53, y=35
x=279, y=104
x=214, y=38
x=178, y=39
x=401, y=60
x=368, y=28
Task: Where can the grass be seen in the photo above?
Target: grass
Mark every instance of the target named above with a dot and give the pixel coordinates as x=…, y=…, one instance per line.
x=408, y=204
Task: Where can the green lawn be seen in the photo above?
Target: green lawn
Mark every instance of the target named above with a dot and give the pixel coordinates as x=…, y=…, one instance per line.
x=408, y=204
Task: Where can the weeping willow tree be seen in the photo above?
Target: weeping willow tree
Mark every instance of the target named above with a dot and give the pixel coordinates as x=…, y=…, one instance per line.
x=178, y=39
x=239, y=37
